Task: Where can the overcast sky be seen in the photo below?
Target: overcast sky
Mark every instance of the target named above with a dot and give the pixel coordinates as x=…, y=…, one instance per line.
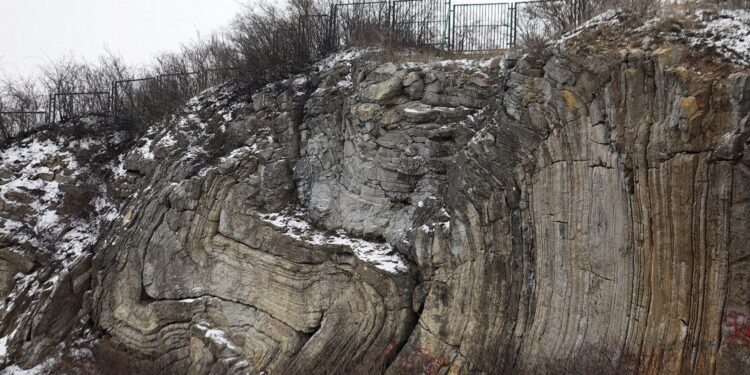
x=35, y=31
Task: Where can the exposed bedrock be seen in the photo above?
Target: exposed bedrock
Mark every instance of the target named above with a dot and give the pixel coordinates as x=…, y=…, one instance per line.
x=573, y=213
x=591, y=209
x=598, y=218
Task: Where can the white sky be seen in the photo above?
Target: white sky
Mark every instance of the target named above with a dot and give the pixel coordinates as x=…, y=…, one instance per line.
x=33, y=32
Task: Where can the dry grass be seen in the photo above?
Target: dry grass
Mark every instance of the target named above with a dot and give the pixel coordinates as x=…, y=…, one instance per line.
x=428, y=55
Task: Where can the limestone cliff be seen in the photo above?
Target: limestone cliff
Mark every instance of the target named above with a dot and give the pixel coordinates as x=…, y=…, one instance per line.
x=579, y=210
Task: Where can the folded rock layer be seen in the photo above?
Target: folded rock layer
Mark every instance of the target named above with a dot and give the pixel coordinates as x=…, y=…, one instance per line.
x=584, y=211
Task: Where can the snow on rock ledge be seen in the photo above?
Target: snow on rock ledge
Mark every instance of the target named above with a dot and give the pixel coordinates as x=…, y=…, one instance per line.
x=381, y=255
x=728, y=32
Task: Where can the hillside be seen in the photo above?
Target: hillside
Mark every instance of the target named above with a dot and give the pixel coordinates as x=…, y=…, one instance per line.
x=578, y=209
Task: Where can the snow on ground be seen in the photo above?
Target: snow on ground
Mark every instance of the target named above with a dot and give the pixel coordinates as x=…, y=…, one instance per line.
x=610, y=17
x=725, y=31
x=38, y=169
x=145, y=150
x=42, y=368
x=3, y=348
x=343, y=57
x=35, y=175
x=41, y=161
x=728, y=32
x=190, y=129
x=381, y=255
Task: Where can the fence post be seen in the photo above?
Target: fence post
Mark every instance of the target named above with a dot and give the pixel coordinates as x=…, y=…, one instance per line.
x=47, y=119
x=54, y=108
x=391, y=23
x=452, y=17
x=335, y=27
x=514, y=24
x=447, y=26
x=115, y=95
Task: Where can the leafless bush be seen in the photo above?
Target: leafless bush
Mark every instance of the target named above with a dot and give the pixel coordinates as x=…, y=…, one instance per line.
x=271, y=42
x=726, y=4
x=19, y=101
x=539, y=22
x=79, y=88
x=265, y=43
x=399, y=25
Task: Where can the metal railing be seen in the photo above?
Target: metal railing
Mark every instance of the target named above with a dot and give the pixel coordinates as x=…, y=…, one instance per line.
x=482, y=27
x=456, y=27
x=119, y=104
x=424, y=22
x=68, y=105
x=478, y=27
x=418, y=22
x=15, y=123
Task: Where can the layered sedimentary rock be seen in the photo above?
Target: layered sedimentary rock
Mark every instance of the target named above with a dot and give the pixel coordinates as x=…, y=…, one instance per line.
x=584, y=210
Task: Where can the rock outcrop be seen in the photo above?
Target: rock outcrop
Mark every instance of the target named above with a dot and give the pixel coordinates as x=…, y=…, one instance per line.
x=582, y=211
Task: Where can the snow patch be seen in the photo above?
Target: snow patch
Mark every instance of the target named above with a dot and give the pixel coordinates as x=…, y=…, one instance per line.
x=167, y=141
x=610, y=17
x=381, y=255
x=119, y=168
x=216, y=335
x=145, y=150
x=728, y=33
x=3, y=348
x=41, y=369
x=343, y=57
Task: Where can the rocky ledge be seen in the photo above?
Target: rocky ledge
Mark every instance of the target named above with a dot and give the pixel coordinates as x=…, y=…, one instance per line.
x=580, y=210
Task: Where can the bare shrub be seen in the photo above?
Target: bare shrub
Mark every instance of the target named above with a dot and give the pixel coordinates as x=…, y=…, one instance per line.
x=79, y=88
x=558, y=16
x=533, y=34
x=19, y=101
x=264, y=43
x=270, y=42
x=726, y=4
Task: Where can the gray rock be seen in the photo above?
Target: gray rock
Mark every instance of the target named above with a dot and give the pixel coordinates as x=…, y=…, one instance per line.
x=589, y=203
x=383, y=91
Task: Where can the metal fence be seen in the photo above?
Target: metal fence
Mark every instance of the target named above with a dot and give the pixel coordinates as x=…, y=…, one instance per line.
x=14, y=123
x=129, y=97
x=478, y=27
x=125, y=100
x=423, y=21
x=456, y=27
x=418, y=22
x=482, y=27
x=68, y=105
x=317, y=30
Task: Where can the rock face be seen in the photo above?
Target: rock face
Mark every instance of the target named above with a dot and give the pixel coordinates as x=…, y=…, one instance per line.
x=584, y=212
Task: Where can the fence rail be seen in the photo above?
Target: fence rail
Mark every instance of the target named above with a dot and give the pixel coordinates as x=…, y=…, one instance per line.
x=474, y=27
x=457, y=27
x=117, y=104
x=483, y=27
